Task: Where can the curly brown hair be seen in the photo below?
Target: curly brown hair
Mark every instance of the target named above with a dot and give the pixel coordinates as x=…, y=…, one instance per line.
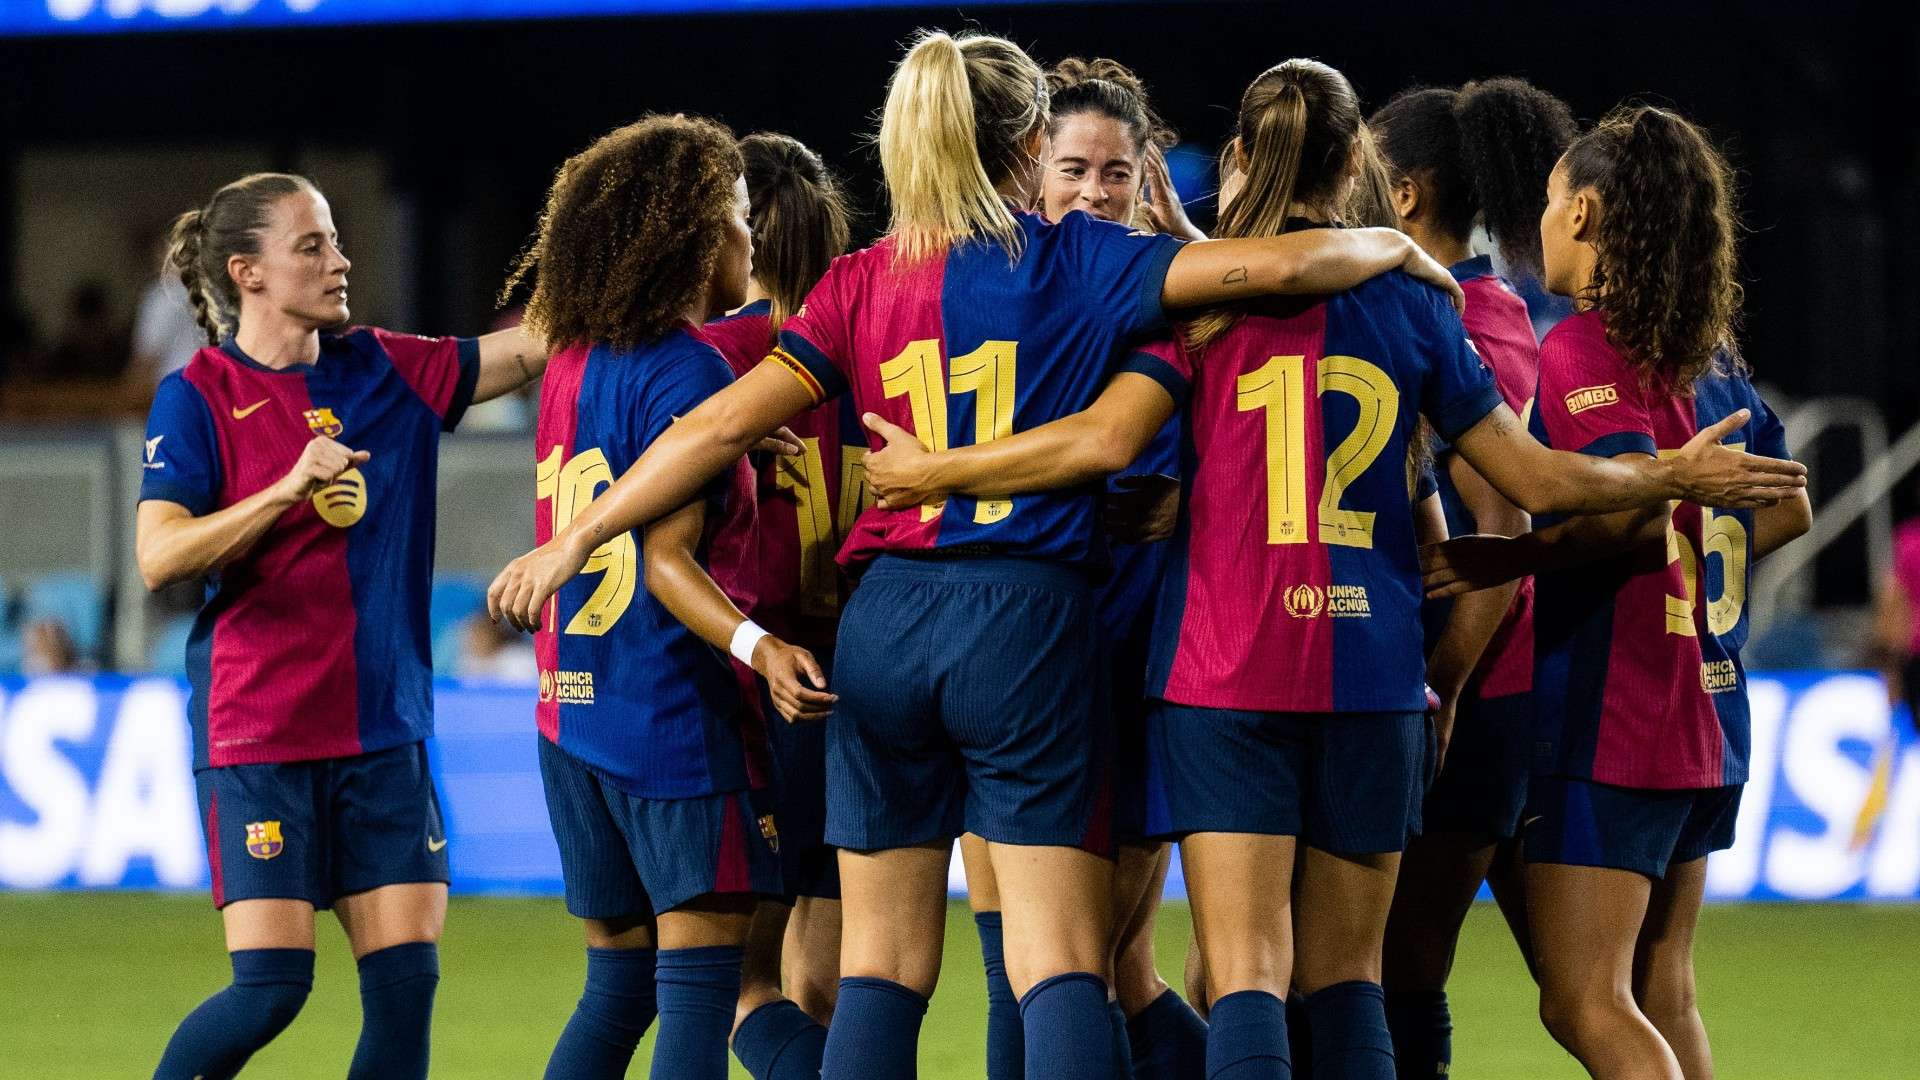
x=631, y=232
x=1664, y=276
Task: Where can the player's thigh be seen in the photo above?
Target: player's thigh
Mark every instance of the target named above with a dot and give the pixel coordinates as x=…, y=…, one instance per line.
x=811, y=955
x=1056, y=906
x=635, y=931
x=1340, y=916
x=267, y=924
x=1241, y=889
x=1136, y=974
x=983, y=889
x=1663, y=954
x=392, y=915
x=1440, y=874
x=1585, y=923
x=893, y=913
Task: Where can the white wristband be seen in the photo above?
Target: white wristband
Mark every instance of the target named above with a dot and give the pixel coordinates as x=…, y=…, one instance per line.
x=746, y=638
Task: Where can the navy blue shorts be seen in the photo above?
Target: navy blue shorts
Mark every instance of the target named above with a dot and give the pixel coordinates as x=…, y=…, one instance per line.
x=971, y=700
x=1482, y=786
x=809, y=866
x=622, y=855
x=1348, y=783
x=320, y=830
x=1587, y=823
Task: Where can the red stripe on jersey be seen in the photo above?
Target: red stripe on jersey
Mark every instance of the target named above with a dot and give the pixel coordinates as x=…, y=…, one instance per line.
x=213, y=850
x=731, y=873
x=276, y=695
x=1238, y=583
x=553, y=438
x=1502, y=334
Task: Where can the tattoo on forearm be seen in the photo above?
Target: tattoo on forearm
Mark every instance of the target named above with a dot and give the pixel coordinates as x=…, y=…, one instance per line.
x=526, y=373
x=1235, y=276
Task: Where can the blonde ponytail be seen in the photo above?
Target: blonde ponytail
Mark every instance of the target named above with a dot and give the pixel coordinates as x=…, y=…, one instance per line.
x=957, y=115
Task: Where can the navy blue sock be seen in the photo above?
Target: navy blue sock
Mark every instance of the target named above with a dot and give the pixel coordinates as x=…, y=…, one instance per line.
x=1072, y=1032
x=1350, y=1040
x=1247, y=1038
x=1122, y=1046
x=779, y=1041
x=697, y=990
x=875, y=1033
x=1168, y=1040
x=1006, y=1039
x=1300, y=1036
x=615, y=1010
x=1422, y=1030
x=396, y=1012
x=269, y=987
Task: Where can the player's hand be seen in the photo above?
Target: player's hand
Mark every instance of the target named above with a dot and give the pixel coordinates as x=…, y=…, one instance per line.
x=521, y=591
x=783, y=441
x=1163, y=200
x=1144, y=510
x=1709, y=474
x=320, y=464
x=900, y=474
x=794, y=679
x=1440, y=713
x=1468, y=563
x=1423, y=266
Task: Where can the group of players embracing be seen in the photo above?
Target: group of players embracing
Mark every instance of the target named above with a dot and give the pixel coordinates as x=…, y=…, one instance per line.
x=1046, y=523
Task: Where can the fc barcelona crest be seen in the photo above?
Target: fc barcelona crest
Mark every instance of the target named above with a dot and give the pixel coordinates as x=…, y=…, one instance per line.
x=323, y=422
x=770, y=833
x=263, y=839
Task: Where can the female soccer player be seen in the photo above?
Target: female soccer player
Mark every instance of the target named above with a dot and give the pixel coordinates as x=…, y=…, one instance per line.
x=292, y=463
x=1480, y=153
x=662, y=844
x=1296, y=541
x=1105, y=146
x=792, y=586
x=966, y=656
x=1641, y=712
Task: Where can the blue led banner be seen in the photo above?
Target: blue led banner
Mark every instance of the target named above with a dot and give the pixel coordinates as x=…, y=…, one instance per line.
x=33, y=17
x=96, y=791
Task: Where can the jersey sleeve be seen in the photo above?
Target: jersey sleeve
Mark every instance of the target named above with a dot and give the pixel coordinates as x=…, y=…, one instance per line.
x=1120, y=272
x=1769, y=434
x=1589, y=401
x=181, y=462
x=815, y=343
x=1166, y=363
x=1459, y=391
x=443, y=371
x=680, y=388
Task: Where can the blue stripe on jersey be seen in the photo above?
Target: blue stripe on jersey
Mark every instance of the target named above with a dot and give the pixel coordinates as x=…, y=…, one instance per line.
x=1625, y=442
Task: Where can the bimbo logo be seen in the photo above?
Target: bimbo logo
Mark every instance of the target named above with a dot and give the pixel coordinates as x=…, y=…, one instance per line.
x=1591, y=397
x=1304, y=601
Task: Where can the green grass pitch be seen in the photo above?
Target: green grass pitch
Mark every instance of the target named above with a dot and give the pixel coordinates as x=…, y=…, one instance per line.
x=95, y=982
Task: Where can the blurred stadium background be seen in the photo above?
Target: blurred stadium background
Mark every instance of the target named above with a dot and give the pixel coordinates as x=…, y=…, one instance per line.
x=433, y=126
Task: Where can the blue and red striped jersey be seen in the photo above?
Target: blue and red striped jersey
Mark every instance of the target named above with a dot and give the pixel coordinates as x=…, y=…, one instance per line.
x=313, y=644
x=808, y=502
x=1637, y=675
x=1497, y=323
x=973, y=346
x=624, y=686
x=1295, y=580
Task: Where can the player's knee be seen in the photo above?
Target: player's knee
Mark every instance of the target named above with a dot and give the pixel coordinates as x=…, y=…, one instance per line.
x=273, y=1006
x=914, y=965
x=816, y=992
x=1576, y=1019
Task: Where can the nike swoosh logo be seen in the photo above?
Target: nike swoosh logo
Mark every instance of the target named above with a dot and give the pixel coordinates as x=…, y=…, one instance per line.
x=436, y=845
x=242, y=414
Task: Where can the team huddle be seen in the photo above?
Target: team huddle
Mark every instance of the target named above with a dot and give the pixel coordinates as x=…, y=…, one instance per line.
x=1048, y=524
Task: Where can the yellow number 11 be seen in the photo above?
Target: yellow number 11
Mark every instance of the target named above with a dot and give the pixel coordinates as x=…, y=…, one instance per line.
x=987, y=372
x=1278, y=388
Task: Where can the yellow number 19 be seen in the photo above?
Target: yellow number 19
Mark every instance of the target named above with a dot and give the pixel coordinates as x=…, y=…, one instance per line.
x=571, y=486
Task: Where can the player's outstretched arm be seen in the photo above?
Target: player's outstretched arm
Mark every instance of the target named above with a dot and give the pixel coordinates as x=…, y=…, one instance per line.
x=1073, y=450
x=509, y=360
x=682, y=461
x=1475, y=618
x=1542, y=481
x=1776, y=526
x=1310, y=262
x=675, y=577
x=171, y=545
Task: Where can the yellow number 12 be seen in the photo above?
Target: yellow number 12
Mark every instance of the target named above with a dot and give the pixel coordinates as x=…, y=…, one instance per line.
x=1278, y=388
